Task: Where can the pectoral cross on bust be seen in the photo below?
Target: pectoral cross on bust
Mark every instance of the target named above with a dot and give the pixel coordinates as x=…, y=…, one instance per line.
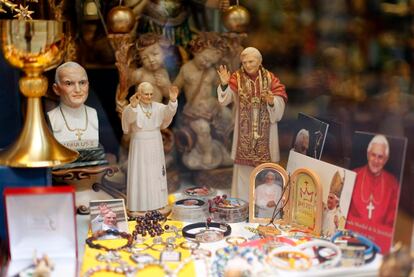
x=78, y=134
x=370, y=207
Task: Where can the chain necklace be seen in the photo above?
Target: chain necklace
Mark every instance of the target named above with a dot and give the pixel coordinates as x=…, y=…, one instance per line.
x=372, y=203
x=78, y=131
x=147, y=112
x=371, y=196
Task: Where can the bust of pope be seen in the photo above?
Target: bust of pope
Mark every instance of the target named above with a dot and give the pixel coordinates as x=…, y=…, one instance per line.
x=73, y=123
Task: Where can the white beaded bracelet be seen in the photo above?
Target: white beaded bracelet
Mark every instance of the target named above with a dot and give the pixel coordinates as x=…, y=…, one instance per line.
x=323, y=244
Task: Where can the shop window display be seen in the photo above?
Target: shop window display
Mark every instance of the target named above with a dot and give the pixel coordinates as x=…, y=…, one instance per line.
x=347, y=63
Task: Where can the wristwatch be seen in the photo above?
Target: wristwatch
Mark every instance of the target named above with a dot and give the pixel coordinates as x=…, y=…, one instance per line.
x=211, y=232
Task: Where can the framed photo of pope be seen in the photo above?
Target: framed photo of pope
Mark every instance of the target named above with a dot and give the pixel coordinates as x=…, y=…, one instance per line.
x=378, y=161
x=267, y=200
x=108, y=214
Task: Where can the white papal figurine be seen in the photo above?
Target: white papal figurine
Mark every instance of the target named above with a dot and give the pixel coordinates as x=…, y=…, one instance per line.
x=147, y=176
x=74, y=124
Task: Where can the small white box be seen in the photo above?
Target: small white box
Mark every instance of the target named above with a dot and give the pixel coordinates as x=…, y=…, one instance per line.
x=42, y=220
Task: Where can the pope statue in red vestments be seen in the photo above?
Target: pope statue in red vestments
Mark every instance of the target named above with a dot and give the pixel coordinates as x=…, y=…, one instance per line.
x=375, y=196
x=260, y=100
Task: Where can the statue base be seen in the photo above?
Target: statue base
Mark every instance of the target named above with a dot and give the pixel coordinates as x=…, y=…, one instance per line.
x=219, y=178
x=165, y=211
x=173, y=179
x=87, y=157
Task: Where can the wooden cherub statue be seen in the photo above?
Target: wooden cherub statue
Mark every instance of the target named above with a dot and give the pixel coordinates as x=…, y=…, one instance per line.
x=201, y=112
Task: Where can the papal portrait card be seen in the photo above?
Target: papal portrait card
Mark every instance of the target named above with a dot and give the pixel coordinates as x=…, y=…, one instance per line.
x=337, y=186
x=109, y=214
x=309, y=136
x=378, y=162
x=335, y=145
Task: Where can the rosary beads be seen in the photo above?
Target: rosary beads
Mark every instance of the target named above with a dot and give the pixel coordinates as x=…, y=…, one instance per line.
x=150, y=224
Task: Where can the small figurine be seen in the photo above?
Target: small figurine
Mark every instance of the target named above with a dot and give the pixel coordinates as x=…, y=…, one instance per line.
x=260, y=100
x=43, y=266
x=147, y=176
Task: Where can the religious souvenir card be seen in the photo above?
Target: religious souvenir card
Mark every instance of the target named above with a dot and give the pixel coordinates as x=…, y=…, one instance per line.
x=337, y=185
x=41, y=228
x=333, y=148
x=305, y=211
x=108, y=215
x=378, y=161
x=267, y=201
x=309, y=136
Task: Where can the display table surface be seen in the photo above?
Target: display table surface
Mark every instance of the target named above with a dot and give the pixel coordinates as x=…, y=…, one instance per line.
x=198, y=268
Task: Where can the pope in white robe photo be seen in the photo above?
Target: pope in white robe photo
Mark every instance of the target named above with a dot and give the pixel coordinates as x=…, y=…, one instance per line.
x=267, y=196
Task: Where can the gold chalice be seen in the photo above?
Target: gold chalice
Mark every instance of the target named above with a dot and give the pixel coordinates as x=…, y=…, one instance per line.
x=34, y=46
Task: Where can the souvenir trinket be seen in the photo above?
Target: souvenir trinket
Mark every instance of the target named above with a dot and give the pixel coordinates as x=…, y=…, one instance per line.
x=190, y=210
x=230, y=210
x=211, y=232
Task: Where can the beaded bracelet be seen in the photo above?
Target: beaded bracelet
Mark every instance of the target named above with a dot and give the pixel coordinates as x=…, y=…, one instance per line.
x=133, y=270
x=369, y=245
x=108, y=268
x=252, y=255
x=321, y=244
x=98, y=234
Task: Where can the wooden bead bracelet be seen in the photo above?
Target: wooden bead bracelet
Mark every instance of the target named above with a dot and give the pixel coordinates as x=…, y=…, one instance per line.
x=98, y=234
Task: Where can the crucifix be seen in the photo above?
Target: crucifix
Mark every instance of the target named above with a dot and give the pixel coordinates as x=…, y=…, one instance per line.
x=370, y=207
x=79, y=134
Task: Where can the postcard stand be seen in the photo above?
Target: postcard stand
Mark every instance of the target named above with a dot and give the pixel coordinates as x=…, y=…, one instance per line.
x=41, y=221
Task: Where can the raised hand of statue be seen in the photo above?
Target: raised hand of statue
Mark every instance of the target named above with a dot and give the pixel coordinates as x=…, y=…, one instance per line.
x=103, y=209
x=271, y=204
x=134, y=100
x=173, y=93
x=161, y=81
x=269, y=98
x=224, y=74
